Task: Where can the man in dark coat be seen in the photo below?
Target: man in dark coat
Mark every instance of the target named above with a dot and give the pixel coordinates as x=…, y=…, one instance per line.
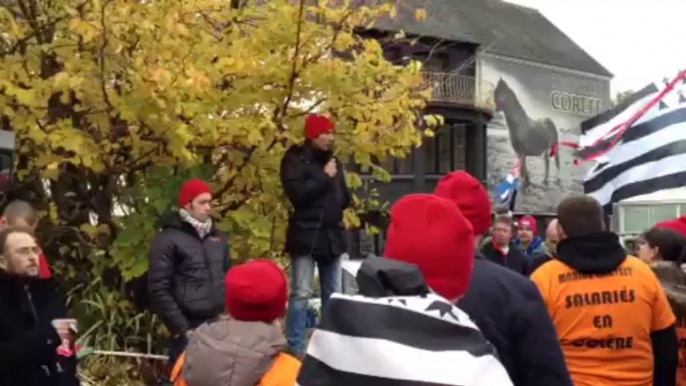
x=502, y=251
x=315, y=185
x=507, y=307
x=188, y=262
x=33, y=322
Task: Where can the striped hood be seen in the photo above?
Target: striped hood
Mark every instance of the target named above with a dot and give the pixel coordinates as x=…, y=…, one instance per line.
x=399, y=340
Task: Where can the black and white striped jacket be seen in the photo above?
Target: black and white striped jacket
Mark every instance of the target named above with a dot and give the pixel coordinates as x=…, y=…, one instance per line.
x=399, y=341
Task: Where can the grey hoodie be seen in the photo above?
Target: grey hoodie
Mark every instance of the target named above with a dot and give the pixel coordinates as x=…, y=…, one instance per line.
x=231, y=353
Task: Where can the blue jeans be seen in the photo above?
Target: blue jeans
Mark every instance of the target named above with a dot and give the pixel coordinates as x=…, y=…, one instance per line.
x=302, y=276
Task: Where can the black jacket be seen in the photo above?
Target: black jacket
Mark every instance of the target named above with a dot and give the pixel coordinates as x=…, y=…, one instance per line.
x=28, y=342
x=509, y=310
x=316, y=224
x=186, y=275
x=515, y=259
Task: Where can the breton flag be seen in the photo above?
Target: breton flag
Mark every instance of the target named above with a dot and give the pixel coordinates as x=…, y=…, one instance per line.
x=505, y=191
x=399, y=341
x=639, y=148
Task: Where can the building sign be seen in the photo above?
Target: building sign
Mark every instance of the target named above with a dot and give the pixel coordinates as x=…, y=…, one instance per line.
x=577, y=96
x=576, y=104
x=537, y=107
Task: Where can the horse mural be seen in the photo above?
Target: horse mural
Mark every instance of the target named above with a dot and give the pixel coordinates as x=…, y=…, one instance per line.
x=529, y=137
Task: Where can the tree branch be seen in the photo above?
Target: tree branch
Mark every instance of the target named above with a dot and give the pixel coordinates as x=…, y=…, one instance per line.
x=105, y=42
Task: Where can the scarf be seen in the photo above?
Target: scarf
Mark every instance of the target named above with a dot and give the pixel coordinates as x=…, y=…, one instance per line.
x=203, y=228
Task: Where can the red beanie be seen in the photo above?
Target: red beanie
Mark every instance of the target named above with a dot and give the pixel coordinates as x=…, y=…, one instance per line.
x=678, y=225
x=316, y=125
x=530, y=222
x=192, y=189
x=430, y=232
x=256, y=291
x=470, y=196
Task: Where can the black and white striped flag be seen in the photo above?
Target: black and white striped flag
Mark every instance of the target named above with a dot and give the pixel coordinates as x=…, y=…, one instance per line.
x=399, y=341
x=643, y=155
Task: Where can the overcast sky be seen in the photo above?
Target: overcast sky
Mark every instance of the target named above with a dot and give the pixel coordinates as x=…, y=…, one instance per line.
x=639, y=41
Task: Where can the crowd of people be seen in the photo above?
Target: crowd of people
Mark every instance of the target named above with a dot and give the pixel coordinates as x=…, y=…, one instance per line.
x=459, y=297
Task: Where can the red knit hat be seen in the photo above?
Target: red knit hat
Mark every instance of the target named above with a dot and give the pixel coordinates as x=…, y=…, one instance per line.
x=530, y=222
x=678, y=225
x=192, y=189
x=316, y=125
x=431, y=232
x=256, y=291
x=470, y=196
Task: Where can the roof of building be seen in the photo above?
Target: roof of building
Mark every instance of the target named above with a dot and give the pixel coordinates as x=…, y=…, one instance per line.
x=499, y=27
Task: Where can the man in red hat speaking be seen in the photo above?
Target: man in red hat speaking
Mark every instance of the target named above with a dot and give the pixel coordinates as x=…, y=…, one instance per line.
x=314, y=182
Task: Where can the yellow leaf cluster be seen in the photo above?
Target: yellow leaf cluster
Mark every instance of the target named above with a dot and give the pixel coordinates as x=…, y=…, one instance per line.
x=115, y=86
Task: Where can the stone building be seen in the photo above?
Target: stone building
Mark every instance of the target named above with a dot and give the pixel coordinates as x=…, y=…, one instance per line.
x=510, y=85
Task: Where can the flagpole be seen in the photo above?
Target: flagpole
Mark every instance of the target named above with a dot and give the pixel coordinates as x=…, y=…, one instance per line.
x=513, y=200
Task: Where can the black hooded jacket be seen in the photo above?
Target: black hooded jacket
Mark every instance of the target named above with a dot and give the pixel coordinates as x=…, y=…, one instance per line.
x=601, y=253
x=509, y=310
x=28, y=342
x=316, y=224
x=186, y=275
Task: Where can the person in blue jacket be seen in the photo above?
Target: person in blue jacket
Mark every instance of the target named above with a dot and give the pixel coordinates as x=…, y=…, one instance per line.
x=528, y=240
x=506, y=306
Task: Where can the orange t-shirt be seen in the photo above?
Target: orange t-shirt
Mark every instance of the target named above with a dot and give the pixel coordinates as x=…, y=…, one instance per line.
x=681, y=334
x=604, y=322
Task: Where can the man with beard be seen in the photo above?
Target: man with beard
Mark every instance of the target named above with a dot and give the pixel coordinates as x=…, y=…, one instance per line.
x=21, y=213
x=36, y=338
x=315, y=185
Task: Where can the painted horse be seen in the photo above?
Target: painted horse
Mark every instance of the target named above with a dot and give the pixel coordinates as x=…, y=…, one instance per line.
x=529, y=137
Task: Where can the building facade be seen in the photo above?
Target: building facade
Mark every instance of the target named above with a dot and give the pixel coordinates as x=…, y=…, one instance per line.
x=510, y=85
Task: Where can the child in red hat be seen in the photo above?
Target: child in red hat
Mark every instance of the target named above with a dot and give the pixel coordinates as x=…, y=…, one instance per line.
x=528, y=239
x=245, y=346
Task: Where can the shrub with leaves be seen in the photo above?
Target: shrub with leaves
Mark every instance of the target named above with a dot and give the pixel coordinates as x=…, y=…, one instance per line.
x=116, y=102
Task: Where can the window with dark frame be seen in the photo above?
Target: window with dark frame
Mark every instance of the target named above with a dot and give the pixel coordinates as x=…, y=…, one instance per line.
x=444, y=153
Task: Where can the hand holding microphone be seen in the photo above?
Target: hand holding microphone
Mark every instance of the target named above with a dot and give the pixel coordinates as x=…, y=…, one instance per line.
x=331, y=168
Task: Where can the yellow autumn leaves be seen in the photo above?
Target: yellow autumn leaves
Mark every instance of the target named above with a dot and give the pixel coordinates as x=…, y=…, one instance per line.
x=109, y=86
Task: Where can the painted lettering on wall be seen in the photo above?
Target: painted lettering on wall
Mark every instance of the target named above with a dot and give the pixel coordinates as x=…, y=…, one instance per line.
x=576, y=104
